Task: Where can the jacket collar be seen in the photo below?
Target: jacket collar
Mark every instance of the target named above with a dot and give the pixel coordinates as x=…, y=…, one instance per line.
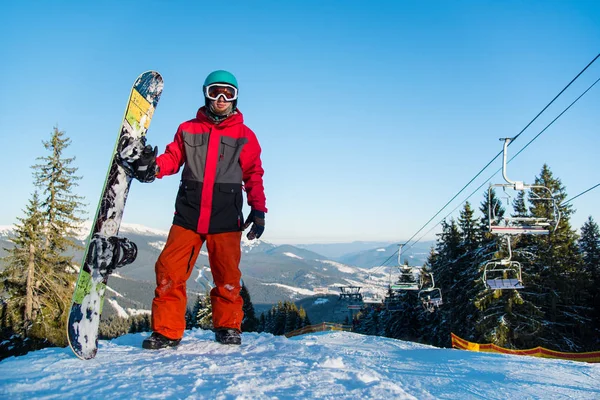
x=233, y=119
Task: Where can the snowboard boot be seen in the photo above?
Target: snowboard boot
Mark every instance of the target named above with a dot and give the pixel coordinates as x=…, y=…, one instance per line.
x=158, y=341
x=228, y=336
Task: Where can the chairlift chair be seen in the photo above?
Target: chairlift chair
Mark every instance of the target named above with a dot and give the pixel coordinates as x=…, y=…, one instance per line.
x=431, y=298
x=392, y=303
x=408, y=279
x=426, y=280
x=522, y=225
x=504, y=273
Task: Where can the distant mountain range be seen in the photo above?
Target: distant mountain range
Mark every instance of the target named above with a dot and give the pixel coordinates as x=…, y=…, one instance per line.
x=271, y=272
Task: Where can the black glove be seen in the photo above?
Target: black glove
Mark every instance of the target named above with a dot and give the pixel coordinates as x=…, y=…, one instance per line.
x=129, y=150
x=138, y=159
x=144, y=168
x=257, y=219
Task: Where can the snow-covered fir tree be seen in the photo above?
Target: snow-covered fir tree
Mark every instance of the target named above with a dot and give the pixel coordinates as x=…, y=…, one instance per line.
x=502, y=312
x=61, y=207
x=283, y=318
x=20, y=281
x=202, y=312
x=556, y=309
x=589, y=246
x=554, y=274
x=41, y=252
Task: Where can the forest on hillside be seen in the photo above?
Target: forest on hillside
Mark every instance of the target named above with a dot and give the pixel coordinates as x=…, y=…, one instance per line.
x=558, y=306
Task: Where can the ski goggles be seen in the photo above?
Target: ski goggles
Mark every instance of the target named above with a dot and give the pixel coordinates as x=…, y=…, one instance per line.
x=216, y=90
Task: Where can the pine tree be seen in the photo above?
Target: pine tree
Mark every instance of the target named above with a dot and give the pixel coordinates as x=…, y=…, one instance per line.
x=472, y=252
x=44, y=237
x=302, y=319
x=270, y=320
x=556, y=271
x=488, y=242
x=448, y=250
x=262, y=321
x=62, y=208
x=204, y=312
x=113, y=327
x=501, y=313
x=455, y=266
x=292, y=318
x=250, y=322
x=283, y=318
x=589, y=246
x=139, y=323
x=20, y=281
x=492, y=204
x=468, y=228
x=305, y=318
x=551, y=310
x=190, y=319
x=279, y=319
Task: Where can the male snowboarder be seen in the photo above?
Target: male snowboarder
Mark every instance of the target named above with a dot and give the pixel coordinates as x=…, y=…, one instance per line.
x=220, y=156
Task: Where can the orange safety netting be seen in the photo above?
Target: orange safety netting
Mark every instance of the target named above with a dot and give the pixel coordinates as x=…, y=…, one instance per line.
x=591, y=357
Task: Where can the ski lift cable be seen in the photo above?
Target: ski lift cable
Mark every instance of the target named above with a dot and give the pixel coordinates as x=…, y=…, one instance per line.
x=496, y=156
x=499, y=153
x=582, y=193
x=390, y=257
x=556, y=97
x=554, y=120
x=512, y=158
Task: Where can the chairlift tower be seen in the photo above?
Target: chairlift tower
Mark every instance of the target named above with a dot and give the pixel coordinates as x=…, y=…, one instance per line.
x=350, y=293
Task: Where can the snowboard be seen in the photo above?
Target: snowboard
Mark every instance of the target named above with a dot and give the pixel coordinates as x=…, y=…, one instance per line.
x=105, y=250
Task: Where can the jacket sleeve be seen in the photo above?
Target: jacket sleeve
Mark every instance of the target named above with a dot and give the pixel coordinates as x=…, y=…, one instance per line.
x=252, y=173
x=173, y=158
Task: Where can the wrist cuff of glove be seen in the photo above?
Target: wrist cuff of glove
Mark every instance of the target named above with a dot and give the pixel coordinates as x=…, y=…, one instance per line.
x=259, y=214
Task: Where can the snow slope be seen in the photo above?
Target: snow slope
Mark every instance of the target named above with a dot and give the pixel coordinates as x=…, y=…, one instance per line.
x=326, y=365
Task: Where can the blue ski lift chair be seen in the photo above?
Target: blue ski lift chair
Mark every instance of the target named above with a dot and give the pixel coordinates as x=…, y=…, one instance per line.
x=503, y=274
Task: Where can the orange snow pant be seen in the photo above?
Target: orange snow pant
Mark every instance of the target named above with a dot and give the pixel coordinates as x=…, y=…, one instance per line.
x=174, y=267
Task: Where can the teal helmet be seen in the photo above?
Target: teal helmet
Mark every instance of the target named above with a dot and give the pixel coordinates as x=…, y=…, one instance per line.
x=220, y=76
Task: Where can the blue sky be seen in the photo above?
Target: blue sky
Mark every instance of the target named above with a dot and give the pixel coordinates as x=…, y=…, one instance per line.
x=371, y=115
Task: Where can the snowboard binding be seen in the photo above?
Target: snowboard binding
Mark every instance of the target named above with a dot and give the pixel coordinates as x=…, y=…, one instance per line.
x=109, y=253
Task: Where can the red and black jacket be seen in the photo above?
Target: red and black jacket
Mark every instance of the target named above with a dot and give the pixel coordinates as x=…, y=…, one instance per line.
x=217, y=159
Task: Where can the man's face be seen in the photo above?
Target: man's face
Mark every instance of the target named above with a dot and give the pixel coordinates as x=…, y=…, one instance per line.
x=221, y=106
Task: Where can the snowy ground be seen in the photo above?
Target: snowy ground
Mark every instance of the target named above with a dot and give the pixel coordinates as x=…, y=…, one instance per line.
x=326, y=365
